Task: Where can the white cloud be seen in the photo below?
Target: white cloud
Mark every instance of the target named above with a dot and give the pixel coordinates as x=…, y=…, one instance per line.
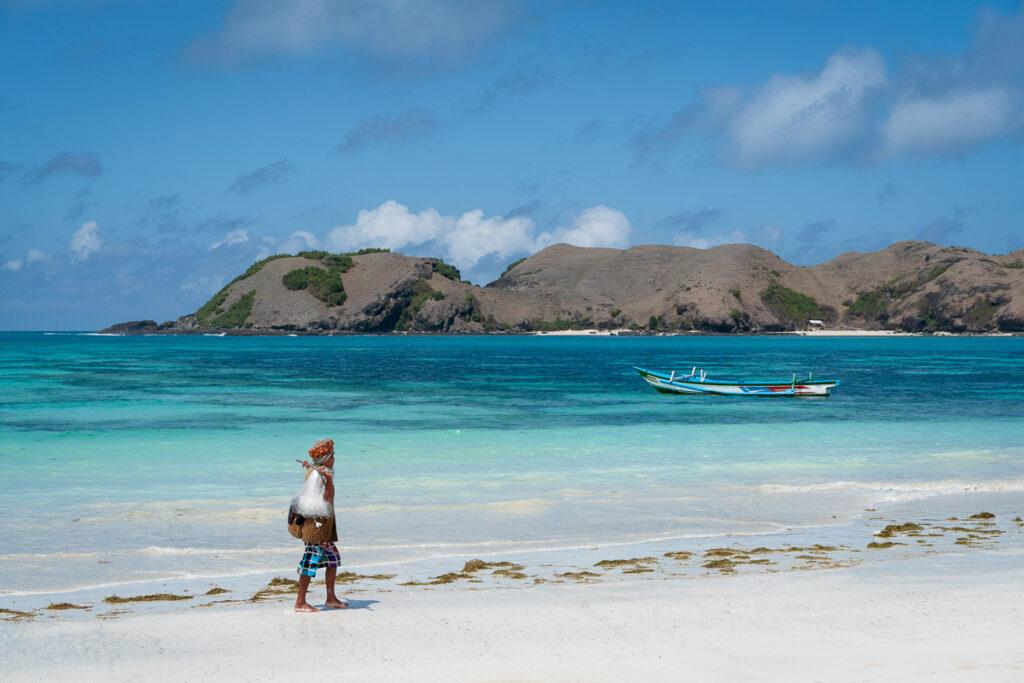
x=34, y=255
x=14, y=265
x=300, y=240
x=798, y=118
x=233, y=237
x=86, y=241
x=947, y=124
x=465, y=239
x=597, y=226
x=474, y=237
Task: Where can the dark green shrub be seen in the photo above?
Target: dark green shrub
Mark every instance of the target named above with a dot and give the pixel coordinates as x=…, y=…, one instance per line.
x=790, y=305
x=212, y=307
x=323, y=284
x=615, y=312
x=981, y=312
x=236, y=314
x=653, y=323
x=339, y=262
x=421, y=293
x=445, y=270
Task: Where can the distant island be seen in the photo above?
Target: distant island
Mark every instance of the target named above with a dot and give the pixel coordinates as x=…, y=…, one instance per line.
x=736, y=288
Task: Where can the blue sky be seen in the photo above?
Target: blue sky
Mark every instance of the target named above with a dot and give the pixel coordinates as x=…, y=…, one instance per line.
x=150, y=150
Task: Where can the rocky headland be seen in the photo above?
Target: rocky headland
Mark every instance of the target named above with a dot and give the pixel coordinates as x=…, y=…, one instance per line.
x=736, y=288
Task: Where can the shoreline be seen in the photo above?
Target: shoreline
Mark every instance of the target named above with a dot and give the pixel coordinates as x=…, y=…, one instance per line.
x=805, y=604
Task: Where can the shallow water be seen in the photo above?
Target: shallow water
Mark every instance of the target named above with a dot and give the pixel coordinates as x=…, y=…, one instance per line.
x=129, y=459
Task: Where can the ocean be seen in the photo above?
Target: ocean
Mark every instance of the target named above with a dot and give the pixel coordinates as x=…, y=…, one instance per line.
x=127, y=460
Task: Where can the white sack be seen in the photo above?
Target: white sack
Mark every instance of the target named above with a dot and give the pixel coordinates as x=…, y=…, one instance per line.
x=310, y=501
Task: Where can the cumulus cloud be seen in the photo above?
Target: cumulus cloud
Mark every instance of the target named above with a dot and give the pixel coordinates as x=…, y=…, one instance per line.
x=465, y=239
x=233, y=237
x=473, y=237
x=800, y=118
x=947, y=124
x=442, y=30
x=86, y=241
x=83, y=164
x=265, y=175
x=597, y=226
x=300, y=240
x=375, y=130
x=857, y=109
x=32, y=256
x=468, y=239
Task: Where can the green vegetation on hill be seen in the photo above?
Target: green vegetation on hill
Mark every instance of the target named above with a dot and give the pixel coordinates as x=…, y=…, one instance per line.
x=421, y=292
x=981, y=313
x=790, y=305
x=212, y=307
x=338, y=262
x=213, y=314
x=874, y=304
x=257, y=267
x=511, y=266
x=324, y=284
x=447, y=270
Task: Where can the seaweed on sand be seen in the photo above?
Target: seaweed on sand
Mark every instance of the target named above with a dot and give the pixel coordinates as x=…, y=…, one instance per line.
x=349, y=577
x=450, y=577
x=509, y=573
x=608, y=564
x=723, y=565
x=216, y=590
x=65, y=605
x=886, y=544
x=578, y=576
x=679, y=555
x=982, y=515
x=893, y=529
x=154, y=597
x=15, y=615
x=477, y=565
x=277, y=586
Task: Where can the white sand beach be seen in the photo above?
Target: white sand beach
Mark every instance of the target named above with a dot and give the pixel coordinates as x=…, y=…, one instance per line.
x=942, y=601
x=948, y=620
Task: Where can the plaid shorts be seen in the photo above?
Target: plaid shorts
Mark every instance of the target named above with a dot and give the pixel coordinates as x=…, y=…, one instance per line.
x=318, y=555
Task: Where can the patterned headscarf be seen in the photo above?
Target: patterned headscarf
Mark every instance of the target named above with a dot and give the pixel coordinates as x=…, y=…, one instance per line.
x=321, y=451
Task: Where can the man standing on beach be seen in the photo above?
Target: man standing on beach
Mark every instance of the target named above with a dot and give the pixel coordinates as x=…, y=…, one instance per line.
x=319, y=536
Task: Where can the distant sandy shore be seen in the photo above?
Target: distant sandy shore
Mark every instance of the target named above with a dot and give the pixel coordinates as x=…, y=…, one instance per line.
x=806, y=333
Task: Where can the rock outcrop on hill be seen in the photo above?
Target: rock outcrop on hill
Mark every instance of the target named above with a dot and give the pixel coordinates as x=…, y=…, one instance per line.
x=909, y=286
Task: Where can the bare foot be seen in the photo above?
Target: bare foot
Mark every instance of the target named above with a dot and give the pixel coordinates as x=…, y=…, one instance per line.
x=336, y=604
x=305, y=607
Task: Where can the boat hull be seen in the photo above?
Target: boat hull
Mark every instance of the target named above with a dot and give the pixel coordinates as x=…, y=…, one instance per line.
x=669, y=384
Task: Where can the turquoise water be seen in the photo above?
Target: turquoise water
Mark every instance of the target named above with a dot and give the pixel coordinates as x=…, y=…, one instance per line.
x=129, y=459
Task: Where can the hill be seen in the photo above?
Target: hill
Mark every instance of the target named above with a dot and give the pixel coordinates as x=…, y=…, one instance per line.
x=910, y=286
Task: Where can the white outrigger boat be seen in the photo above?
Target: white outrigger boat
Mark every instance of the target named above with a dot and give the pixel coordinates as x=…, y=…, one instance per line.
x=698, y=383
